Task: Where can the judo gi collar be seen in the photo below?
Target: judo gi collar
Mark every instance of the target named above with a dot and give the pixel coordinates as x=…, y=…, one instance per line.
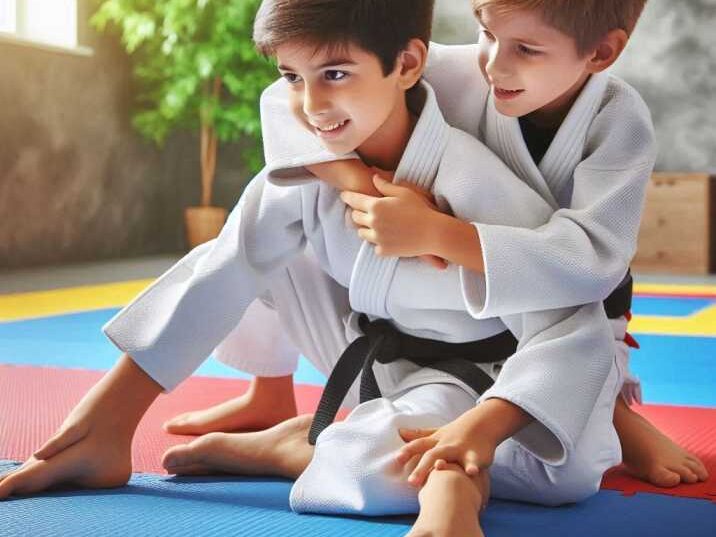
x=504, y=136
x=372, y=275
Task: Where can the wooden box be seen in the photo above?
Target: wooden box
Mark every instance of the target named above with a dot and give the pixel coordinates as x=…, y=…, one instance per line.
x=678, y=229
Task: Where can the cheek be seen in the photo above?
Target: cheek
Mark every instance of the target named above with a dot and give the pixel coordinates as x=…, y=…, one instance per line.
x=295, y=102
x=483, y=57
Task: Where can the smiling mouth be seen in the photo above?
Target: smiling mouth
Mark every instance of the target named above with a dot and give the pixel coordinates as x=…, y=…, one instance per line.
x=505, y=94
x=332, y=130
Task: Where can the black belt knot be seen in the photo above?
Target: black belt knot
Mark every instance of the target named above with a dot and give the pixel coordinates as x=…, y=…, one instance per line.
x=382, y=342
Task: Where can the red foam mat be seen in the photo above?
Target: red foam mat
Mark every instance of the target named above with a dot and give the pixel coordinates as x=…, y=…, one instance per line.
x=692, y=428
x=34, y=401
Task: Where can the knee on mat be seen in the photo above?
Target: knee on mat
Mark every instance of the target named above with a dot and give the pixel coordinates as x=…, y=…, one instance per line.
x=572, y=486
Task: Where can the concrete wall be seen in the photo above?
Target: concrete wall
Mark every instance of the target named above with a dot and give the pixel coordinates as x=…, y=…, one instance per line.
x=76, y=181
x=671, y=60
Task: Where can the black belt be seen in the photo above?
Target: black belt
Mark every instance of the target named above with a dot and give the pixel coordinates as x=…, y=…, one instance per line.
x=618, y=303
x=383, y=342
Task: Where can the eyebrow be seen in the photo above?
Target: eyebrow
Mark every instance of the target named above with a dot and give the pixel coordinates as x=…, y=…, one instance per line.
x=524, y=41
x=333, y=62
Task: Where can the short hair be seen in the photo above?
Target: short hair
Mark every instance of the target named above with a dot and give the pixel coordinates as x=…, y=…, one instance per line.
x=586, y=21
x=381, y=27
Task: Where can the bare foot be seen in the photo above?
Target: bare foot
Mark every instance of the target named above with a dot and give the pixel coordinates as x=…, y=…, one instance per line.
x=267, y=402
x=450, y=504
x=282, y=450
x=652, y=456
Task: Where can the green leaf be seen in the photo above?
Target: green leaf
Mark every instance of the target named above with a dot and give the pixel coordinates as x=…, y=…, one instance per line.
x=177, y=48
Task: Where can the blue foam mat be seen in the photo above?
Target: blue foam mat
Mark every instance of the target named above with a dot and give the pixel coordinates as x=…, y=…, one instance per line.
x=222, y=506
x=665, y=364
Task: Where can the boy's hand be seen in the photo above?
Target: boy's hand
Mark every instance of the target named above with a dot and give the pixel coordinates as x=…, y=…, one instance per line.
x=81, y=454
x=400, y=224
x=470, y=440
x=437, y=448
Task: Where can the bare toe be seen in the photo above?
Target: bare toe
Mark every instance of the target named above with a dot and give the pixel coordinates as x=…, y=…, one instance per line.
x=663, y=477
x=184, y=455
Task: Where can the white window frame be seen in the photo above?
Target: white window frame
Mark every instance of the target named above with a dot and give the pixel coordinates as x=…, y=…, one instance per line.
x=23, y=35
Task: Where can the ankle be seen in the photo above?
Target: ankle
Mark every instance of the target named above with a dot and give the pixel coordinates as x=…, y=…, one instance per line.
x=278, y=392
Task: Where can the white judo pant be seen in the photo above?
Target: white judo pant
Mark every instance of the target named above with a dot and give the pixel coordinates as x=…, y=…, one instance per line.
x=353, y=470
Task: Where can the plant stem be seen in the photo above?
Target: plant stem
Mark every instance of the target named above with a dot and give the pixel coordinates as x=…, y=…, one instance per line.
x=209, y=147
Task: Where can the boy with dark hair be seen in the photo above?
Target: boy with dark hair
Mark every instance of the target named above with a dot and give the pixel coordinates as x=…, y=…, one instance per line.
x=422, y=358
x=578, y=136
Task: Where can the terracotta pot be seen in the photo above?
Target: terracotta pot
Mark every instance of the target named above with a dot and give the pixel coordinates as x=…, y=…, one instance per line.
x=203, y=224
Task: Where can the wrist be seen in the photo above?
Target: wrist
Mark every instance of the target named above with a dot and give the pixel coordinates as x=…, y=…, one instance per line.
x=457, y=242
x=439, y=227
x=496, y=420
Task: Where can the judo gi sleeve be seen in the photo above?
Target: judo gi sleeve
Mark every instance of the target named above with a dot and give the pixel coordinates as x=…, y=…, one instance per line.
x=171, y=327
x=557, y=374
x=582, y=253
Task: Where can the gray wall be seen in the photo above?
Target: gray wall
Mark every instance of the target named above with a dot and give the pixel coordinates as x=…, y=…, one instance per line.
x=671, y=60
x=76, y=181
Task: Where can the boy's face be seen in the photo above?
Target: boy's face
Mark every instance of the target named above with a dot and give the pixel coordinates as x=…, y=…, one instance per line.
x=529, y=65
x=341, y=96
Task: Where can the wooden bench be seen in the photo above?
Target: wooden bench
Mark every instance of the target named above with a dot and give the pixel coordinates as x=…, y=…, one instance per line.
x=678, y=229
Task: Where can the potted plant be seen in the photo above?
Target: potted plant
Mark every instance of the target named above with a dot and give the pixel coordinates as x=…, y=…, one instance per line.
x=197, y=69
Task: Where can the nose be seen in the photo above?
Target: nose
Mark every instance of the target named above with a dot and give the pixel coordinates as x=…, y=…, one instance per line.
x=315, y=101
x=498, y=64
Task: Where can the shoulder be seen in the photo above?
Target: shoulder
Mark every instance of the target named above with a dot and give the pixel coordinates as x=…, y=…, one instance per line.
x=466, y=157
x=464, y=150
x=622, y=132
x=460, y=88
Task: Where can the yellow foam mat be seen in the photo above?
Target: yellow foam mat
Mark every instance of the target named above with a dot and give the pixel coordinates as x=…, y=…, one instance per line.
x=22, y=306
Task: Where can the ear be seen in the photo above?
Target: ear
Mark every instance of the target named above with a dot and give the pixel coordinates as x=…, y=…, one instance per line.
x=411, y=63
x=607, y=51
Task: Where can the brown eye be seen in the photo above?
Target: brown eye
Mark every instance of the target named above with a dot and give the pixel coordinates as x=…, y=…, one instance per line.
x=333, y=74
x=291, y=78
x=528, y=51
x=487, y=35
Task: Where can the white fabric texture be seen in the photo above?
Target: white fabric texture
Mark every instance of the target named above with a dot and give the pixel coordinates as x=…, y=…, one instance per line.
x=171, y=327
x=593, y=176
x=354, y=469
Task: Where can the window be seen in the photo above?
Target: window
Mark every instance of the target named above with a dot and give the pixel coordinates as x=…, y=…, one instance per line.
x=8, y=16
x=52, y=22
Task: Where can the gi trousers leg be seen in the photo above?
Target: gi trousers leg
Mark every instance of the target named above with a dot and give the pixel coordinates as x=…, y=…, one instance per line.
x=354, y=468
x=304, y=313
x=516, y=474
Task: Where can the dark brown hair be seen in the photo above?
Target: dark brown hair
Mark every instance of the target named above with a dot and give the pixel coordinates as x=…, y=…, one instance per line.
x=586, y=21
x=381, y=27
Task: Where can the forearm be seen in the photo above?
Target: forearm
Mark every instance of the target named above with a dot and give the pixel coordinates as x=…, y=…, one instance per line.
x=456, y=241
x=496, y=420
x=347, y=175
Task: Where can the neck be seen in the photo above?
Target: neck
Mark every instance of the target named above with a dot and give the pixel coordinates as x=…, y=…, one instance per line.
x=552, y=115
x=386, y=146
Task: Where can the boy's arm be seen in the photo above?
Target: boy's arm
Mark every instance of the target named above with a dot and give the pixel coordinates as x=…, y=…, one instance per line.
x=542, y=398
x=583, y=252
x=346, y=175
x=470, y=440
x=92, y=448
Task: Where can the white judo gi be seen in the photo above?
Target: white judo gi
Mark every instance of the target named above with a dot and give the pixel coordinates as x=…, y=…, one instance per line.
x=593, y=175
x=563, y=372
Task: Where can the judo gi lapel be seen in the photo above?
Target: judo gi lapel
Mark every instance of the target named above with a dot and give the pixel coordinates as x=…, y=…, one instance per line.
x=504, y=136
x=372, y=275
